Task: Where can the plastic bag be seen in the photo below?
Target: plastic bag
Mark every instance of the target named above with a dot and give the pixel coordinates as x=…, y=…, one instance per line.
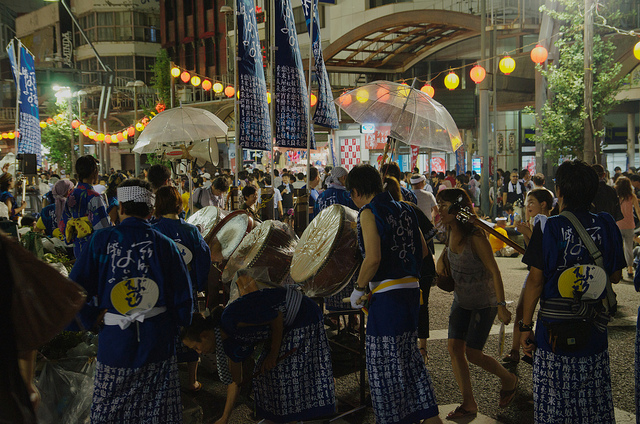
x=66, y=390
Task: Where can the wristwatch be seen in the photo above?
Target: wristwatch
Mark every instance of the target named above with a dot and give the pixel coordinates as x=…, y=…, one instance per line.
x=524, y=327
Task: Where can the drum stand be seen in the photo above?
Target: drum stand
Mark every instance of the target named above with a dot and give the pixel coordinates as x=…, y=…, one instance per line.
x=359, y=351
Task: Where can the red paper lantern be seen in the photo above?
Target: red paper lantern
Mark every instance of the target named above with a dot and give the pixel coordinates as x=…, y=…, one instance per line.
x=75, y=124
x=428, y=89
x=229, y=91
x=345, y=99
x=477, y=74
x=206, y=85
x=539, y=54
x=107, y=138
x=160, y=107
x=86, y=132
x=120, y=137
x=185, y=77
x=131, y=131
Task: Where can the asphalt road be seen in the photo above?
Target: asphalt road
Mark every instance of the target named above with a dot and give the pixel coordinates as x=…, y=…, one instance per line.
x=206, y=406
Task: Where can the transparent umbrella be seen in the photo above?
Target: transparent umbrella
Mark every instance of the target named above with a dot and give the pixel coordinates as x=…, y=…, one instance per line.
x=415, y=118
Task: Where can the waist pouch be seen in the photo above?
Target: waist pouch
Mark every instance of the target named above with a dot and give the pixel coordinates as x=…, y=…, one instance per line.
x=569, y=335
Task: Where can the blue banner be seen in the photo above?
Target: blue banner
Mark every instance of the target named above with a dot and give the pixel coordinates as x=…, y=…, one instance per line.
x=252, y=123
x=461, y=164
x=325, y=114
x=292, y=99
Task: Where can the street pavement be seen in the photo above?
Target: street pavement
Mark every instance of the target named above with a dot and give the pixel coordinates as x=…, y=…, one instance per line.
x=206, y=406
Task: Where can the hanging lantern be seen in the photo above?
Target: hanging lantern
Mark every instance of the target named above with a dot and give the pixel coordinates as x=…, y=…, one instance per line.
x=100, y=137
x=185, y=77
x=82, y=128
x=451, y=81
x=636, y=50
x=217, y=88
x=268, y=97
x=43, y=124
x=345, y=99
x=238, y=94
x=206, y=85
x=92, y=135
x=86, y=132
x=5, y=135
x=107, y=138
x=428, y=89
x=477, y=74
x=75, y=124
x=229, y=91
x=139, y=126
x=314, y=99
x=195, y=80
x=11, y=135
x=131, y=131
x=119, y=137
x=49, y=121
x=175, y=72
x=507, y=65
x=362, y=96
x=539, y=54
x=405, y=90
x=124, y=134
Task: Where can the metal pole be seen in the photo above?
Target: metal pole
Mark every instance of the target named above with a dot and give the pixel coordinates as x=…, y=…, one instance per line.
x=236, y=99
x=135, y=117
x=483, y=143
x=17, y=122
x=309, y=120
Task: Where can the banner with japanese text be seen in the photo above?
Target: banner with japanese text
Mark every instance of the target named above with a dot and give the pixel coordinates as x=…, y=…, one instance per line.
x=415, y=151
x=252, y=123
x=29, y=115
x=292, y=98
x=325, y=114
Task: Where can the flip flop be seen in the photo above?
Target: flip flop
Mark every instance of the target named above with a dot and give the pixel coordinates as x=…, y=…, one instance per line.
x=195, y=389
x=506, y=396
x=460, y=412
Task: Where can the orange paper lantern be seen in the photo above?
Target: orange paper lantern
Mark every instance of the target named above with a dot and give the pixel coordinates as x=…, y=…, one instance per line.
x=75, y=124
x=345, y=99
x=314, y=100
x=107, y=138
x=185, y=77
x=229, y=91
x=428, y=89
x=131, y=131
x=206, y=85
x=120, y=137
x=539, y=54
x=477, y=74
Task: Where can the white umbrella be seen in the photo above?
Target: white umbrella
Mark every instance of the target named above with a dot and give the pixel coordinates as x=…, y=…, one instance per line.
x=182, y=128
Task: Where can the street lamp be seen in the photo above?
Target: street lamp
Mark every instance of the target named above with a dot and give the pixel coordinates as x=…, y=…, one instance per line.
x=135, y=84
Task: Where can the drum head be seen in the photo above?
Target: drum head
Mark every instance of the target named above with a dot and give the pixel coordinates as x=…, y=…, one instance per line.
x=206, y=218
x=270, y=240
x=328, y=244
x=230, y=231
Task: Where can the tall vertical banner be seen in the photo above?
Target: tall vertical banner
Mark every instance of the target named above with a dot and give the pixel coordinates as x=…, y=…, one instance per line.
x=325, y=114
x=292, y=99
x=66, y=37
x=252, y=123
x=24, y=74
x=415, y=151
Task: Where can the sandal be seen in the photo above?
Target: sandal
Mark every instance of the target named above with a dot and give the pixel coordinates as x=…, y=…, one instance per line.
x=195, y=389
x=506, y=396
x=425, y=356
x=460, y=412
x=513, y=357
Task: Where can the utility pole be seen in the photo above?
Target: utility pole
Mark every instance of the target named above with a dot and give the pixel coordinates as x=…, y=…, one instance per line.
x=483, y=129
x=589, y=144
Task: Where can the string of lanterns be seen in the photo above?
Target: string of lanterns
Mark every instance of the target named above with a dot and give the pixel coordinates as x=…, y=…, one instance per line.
x=113, y=137
x=196, y=80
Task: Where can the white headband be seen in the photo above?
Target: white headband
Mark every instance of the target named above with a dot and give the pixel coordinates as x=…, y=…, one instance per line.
x=136, y=194
x=417, y=179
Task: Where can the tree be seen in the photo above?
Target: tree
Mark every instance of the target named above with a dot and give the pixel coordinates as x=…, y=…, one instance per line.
x=561, y=126
x=57, y=138
x=161, y=80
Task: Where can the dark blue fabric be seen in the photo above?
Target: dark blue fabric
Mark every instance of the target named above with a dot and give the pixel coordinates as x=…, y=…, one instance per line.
x=4, y=196
x=332, y=196
x=189, y=237
x=134, y=249
x=400, y=244
x=408, y=195
x=113, y=203
x=48, y=216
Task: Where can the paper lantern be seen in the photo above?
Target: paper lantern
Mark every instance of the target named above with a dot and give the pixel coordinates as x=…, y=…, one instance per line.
x=636, y=50
x=507, y=65
x=92, y=135
x=100, y=137
x=86, y=132
x=139, y=126
x=131, y=131
x=11, y=135
x=5, y=135
x=428, y=89
x=206, y=85
x=195, y=80
x=451, y=81
x=229, y=91
x=268, y=97
x=124, y=134
x=17, y=134
x=238, y=94
x=345, y=99
x=43, y=124
x=175, y=72
x=119, y=137
x=75, y=124
x=217, y=88
x=82, y=128
x=477, y=74
x=314, y=99
x=539, y=54
x=362, y=95
x=404, y=90
x=185, y=77
x=107, y=138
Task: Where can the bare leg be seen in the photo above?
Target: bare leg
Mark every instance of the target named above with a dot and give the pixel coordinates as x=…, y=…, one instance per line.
x=461, y=372
x=488, y=363
x=514, y=355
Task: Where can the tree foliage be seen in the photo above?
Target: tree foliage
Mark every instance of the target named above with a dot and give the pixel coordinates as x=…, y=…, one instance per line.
x=161, y=80
x=57, y=138
x=561, y=127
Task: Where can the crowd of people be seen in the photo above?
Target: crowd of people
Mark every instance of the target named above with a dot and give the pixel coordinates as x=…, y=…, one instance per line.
x=142, y=266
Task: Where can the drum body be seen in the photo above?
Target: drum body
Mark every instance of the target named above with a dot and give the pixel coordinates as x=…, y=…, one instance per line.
x=301, y=209
x=207, y=218
x=266, y=251
x=327, y=255
x=227, y=235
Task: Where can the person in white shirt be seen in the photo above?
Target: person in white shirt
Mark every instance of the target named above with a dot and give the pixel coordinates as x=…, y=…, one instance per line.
x=212, y=196
x=426, y=200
